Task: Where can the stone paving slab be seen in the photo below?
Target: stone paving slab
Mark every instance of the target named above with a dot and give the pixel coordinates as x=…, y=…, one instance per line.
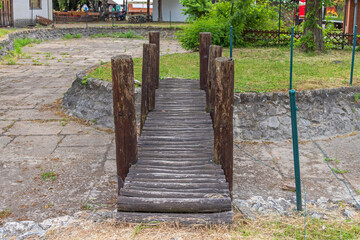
x=39, y=141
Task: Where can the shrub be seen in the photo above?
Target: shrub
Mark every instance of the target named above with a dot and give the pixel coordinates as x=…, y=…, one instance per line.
x=195, y=8
x=243, y=15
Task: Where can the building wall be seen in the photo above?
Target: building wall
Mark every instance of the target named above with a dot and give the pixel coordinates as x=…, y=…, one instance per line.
x=22, y=12
x=169, y=5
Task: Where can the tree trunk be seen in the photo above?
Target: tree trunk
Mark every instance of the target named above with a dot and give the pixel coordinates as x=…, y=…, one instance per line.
x=312, y=39
x=103, y=9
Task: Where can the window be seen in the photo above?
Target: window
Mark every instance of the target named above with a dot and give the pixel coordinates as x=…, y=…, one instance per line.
x=35, y=4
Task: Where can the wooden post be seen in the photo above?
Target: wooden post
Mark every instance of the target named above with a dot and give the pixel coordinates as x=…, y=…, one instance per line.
x=204, y=45
x=124, y=115
x=148, y=82
x=223, y=116
x=159, y=11
x=154, y=37
x=214, y=52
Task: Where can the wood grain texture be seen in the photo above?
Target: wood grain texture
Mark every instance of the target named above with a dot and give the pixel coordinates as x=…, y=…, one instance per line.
x=175, y=172
x=154, y=38
x=214, y=52
x=223, y=116
x=124, y=115
x=204, y=45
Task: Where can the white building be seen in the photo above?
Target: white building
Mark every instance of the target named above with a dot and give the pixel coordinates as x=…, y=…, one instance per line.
x=168, y=7
x=21, y=13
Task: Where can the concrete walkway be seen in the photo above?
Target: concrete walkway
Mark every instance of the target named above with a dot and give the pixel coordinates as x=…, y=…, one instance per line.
x=36, y=141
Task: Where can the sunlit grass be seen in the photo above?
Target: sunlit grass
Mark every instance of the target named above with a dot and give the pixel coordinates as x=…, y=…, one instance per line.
x=262, y=69
x=4, y=31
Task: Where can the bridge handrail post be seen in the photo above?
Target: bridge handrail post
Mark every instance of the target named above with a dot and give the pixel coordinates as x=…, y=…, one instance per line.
x=214, y=52
x=204, y=45
x=148, y=82
x=223, y=116
x=154, y=37
x=124, y=115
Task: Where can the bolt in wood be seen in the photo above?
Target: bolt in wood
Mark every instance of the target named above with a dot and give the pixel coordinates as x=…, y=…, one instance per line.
x=223, y=116
x=204, y=45
x=124, y=115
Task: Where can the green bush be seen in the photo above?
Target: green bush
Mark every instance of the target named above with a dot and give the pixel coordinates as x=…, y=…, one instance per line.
x=195, y=8
x=243, y=15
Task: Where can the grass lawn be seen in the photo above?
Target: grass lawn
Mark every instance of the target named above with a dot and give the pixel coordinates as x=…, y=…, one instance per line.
x=4, y=31
x=262, y=69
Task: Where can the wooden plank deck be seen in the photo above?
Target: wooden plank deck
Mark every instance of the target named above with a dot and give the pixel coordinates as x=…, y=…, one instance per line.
x=175, y=178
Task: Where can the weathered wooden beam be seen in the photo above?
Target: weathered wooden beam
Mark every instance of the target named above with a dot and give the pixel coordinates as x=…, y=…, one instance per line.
x=124, y=115
x=204, y=45
x=179, y=218
x=214, y=52
x=154, y=38
x=223, y=116
x=183, y=205
x=148, y=84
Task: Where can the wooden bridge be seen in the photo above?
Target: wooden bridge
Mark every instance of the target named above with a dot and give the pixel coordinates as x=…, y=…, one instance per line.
x=180, y=168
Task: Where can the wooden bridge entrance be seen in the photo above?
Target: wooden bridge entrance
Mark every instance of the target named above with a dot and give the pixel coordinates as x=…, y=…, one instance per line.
x=173, y=176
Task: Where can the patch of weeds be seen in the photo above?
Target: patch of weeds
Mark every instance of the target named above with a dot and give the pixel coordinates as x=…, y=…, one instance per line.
x=64, y=122
x=84, y=81
x=71, y=36
x=48, y=175
x=87, y=206
x=94, y=121
x=11, y=62
x=64, y=53
x=102, y=62
x=339, y=171
x=357, y=97
x=332, y=160
x=47, y=54
x=141, y=226
x=130, y=34
x=37, y=62
x=358, y=192
x=49, y=205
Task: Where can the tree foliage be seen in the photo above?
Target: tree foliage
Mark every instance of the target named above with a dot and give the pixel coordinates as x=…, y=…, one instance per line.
x=241, y=14
x=195, y=8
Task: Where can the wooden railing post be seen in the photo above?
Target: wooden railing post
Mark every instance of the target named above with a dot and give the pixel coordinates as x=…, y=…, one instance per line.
x=148, y=82
x=124, y=115
x=223, y=116
x=154, y=37
x=214, y=52
x=204, y=45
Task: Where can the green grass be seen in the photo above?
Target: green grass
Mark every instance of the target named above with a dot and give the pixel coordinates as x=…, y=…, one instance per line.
x=19, y=43
x=48, y=175
x=4, y=31
x=261, y=69
x=129, y=34
x=71, y=36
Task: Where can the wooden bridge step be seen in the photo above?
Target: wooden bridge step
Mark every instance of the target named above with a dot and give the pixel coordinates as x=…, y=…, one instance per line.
x=170, y=194
x=199, y=190
x=162, y=170
x=173, y=185
x=173, y=176
x=181, y=218
x=175, y=205
x=181, y=180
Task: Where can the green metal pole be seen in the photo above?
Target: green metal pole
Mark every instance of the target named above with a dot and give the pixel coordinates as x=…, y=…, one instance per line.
x=291, y=56
x=353, y=56
x=231, y=41
x=295, y=149
x=279, y=19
